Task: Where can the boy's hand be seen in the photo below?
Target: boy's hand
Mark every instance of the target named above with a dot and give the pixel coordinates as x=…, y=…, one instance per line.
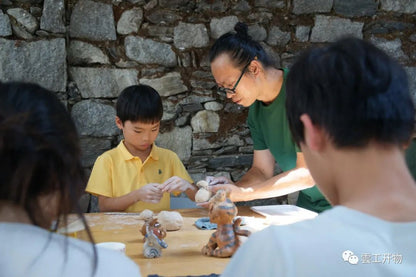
x=175, y=183
x=150, y=193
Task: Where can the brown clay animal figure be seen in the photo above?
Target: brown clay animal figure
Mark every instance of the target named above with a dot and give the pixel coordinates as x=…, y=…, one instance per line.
x=223, y=242
x=153, y=234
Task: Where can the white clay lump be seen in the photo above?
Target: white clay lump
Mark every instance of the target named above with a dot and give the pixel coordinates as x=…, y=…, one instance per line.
x=171, y=221
x=203, y=194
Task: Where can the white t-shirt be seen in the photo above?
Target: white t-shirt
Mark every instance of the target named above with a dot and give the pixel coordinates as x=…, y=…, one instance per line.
x=28, y=250
x=339, y=242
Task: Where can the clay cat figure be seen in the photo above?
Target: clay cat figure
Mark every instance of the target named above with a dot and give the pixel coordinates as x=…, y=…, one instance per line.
x=153, y=239
x=223, y=242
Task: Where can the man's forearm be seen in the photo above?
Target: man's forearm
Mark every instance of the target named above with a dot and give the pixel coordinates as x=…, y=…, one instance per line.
x=281, y=184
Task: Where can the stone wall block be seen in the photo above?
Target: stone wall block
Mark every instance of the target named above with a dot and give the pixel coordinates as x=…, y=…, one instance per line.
x=91, y=148
x=52, y=19
x=5, y=27
x=257, y=32
x=328, y=28
x=20, y=61
x=403, y=6
x=392, y=47
x=94, y=118
x=163, y=17
x=186, y=35
x=92, y=20
x=220, y=26
x=312, y=6
x=269, y=4
x=278, y=37
x=24, y=18
x=148, y=51
x=355, y=8
x=102, y=82
x=179, y=140
x=302, y=33
x=167, y=85
x=85, y=53
x=205, y=121
x=130, y=21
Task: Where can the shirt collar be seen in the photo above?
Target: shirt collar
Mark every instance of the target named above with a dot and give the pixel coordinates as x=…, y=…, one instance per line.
x=154, y=153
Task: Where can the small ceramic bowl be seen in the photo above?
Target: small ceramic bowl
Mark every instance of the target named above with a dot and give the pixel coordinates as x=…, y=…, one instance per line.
x=112, y=245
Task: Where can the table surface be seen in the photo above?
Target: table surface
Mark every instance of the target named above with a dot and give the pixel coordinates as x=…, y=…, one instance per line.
x=183, y=255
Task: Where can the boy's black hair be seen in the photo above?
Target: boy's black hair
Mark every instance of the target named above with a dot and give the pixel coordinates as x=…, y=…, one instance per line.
x=354, y=91
x=240, y=46
x=139, y=103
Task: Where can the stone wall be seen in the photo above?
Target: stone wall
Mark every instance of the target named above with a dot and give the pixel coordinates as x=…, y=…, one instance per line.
x=88, y=51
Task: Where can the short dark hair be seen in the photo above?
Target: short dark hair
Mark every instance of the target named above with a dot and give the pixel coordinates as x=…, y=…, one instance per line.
x=139, y=103
x=354, y=91
x=240, y=46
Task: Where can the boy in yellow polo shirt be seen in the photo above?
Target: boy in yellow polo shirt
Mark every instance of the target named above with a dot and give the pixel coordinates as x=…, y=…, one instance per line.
x=137, y=174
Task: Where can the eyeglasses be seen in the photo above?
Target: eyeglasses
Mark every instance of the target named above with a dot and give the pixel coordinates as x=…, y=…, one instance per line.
x=223, y=90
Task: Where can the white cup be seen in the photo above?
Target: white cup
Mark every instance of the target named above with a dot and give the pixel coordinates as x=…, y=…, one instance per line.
x=112, y=245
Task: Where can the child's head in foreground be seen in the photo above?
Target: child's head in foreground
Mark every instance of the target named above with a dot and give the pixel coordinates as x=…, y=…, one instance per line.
x=40, y=167
x=354, y=91
x=139, y=112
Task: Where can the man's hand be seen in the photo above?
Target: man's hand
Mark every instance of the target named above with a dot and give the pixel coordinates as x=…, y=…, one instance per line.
x=150, y=193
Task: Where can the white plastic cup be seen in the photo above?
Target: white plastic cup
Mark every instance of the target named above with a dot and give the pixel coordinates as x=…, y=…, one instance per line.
x=112, y=245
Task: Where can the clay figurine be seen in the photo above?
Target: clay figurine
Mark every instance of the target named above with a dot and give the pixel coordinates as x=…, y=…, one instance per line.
x=223, y=242
x=153, y=234
x=203, y=194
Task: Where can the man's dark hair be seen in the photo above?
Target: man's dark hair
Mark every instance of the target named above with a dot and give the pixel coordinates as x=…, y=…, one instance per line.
x=240, y=46
x=354, y=91
x=139, y=103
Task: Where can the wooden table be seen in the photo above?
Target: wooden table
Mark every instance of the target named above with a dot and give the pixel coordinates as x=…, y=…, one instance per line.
x=183, y=255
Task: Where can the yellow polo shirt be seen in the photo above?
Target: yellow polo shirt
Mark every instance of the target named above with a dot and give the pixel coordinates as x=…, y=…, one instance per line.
x=117, y=172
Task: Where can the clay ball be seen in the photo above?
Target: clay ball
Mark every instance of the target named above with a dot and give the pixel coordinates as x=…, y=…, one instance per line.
x=171, y=221
x=146, y=214
x=202, y=195
x=202, y=184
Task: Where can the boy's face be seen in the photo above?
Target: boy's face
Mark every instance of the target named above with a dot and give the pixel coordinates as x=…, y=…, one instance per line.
x=138, y=136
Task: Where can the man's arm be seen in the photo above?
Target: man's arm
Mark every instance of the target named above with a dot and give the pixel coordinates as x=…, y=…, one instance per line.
x=259, y=181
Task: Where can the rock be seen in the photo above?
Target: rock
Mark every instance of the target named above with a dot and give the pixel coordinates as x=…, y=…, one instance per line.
x=220, y=26
x=312, y=6
x=187, y=35
x=148, y=51
x=205, y=121
x=84, y=53
x=167, y=85
x=329, y=28
x=102, y=82
x=42, y=62
x=179, y=140
x=92, y=20
x=53, y=15
x=94, y=118
x=130, y=21
x=5, y=27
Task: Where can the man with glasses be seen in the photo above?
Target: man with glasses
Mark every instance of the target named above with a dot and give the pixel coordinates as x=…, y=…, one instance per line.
x=245, y=74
